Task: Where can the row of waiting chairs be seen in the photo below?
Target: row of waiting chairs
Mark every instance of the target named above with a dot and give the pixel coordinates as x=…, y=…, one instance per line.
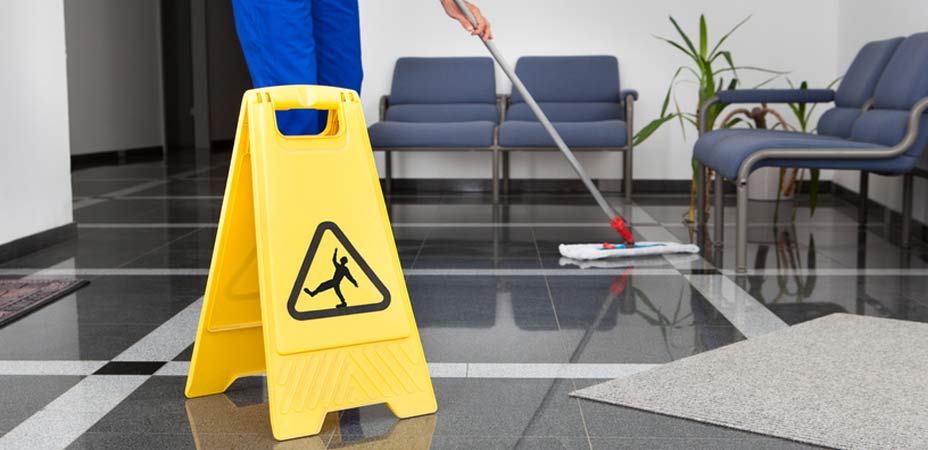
x=451, y=104
x=878, y=125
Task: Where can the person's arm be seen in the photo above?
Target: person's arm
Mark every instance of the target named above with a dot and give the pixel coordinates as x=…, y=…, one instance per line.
x=351, y=279
x=335, y=257
x=483, y=27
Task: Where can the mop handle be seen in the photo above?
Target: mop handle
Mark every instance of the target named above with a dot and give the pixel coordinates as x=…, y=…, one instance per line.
x=615, y=219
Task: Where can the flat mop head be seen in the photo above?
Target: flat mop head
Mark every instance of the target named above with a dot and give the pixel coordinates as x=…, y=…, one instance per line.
x=588, y=252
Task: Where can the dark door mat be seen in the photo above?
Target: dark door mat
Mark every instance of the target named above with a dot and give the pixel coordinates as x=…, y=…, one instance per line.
x=19, y=298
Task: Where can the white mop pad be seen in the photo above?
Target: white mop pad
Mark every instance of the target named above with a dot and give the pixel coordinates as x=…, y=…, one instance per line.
x=586, y=252
x=639, y=262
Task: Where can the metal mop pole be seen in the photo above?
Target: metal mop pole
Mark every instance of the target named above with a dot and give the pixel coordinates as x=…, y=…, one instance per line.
x=617, y=222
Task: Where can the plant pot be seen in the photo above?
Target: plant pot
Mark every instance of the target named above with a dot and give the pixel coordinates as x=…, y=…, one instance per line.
x=764, y=183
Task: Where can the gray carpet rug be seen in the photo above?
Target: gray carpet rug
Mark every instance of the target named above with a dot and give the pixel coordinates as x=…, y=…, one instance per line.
x=19, y=297
x=841, y=381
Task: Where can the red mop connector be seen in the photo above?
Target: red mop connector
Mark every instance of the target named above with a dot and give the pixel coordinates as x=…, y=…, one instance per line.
x=619, y=225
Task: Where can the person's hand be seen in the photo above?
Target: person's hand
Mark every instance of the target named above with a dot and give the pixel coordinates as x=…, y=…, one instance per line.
x=483, y=27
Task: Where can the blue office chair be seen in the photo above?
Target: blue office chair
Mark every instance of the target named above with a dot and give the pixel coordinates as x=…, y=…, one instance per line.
x=886, y=136
x=584, y=100
x=438, y=104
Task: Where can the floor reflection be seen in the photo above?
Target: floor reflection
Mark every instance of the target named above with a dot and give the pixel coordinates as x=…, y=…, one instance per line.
x=796, y=292
x=218, y=423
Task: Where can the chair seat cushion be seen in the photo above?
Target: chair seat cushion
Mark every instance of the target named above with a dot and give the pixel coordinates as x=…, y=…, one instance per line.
x=726, y=150
x=449, y=134
x=606, y=133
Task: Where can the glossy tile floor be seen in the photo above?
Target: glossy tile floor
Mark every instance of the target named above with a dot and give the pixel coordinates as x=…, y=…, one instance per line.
x=509, y=329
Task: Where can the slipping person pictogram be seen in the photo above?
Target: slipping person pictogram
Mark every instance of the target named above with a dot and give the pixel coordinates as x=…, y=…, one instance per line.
x=341, y=272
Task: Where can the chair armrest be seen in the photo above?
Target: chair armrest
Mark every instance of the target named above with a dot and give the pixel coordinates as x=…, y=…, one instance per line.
x=916, y=114
x=384, y=104
x=777, y=96
x=763, y=96
x=625, y=93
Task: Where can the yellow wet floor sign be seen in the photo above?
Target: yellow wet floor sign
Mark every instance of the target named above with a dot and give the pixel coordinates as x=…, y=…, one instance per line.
x=305, y=282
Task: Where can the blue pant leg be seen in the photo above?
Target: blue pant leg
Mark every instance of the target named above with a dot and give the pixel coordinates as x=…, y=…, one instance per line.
x=336, y=29
x=280, y=48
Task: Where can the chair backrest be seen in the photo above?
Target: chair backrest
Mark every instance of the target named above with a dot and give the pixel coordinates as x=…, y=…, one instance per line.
x=903, y=83
x=857, y=87
x=569, y=88
x=443, y=90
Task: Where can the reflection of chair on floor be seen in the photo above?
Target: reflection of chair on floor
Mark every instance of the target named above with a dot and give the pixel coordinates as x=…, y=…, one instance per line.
x=795, y=300
x=218, y=423
x=903, y=286
x=886, y=136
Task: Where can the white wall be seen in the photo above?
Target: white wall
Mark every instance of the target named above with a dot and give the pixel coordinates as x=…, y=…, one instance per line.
x=35, y=177
x=114, y=74
x=862, y=21
x=797, y=35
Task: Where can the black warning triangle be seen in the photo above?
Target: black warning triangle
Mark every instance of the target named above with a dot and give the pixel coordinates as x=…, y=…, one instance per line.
x=358, y=260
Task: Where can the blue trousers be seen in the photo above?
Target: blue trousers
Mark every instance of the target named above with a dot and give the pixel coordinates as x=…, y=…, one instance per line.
x=300, y=42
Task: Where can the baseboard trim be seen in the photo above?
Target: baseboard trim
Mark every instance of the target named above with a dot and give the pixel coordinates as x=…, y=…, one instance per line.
x=35, y=242
x=919, y=229
x=117, y=157
x=542, y=186
x=555, y=186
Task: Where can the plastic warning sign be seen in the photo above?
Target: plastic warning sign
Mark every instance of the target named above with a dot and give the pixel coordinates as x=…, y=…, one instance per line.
x=305, y=282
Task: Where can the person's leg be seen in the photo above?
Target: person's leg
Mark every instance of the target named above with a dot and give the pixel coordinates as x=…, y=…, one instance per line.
x=280, y=48
x=338, y=45
x=338, y=292
x=326, y=285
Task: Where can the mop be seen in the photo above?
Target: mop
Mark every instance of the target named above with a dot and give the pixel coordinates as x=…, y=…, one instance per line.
x=582, y=251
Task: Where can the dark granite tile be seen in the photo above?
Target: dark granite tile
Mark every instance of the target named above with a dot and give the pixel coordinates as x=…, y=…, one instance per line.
x=510, y=443
x=22, y=396
x=637, y=319
x=236, y=419
x=520, y=408
x=101, y=320
x=510, y=407
x=101, y=248
x=798, y=298
x=130, y=368
x=194, y=250
x=186, y=187
x=486, y=319
x=759, y=443
x=92, y=188
x=139, y=441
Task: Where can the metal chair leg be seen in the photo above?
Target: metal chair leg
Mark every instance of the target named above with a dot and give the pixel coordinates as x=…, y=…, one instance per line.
x=495, y=175
x=718, y=211
x=700, y=198
x=907, y=187
x=864, y=199
x=388, y=172
x=506, y=166
x=627, y=177
x=741, y=232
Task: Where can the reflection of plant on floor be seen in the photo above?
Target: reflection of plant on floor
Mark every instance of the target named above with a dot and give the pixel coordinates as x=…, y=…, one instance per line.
x=711, y=69
x=789, y=265
x=793, y=178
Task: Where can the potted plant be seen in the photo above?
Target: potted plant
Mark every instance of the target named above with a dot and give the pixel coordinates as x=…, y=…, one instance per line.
x=711, y=68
